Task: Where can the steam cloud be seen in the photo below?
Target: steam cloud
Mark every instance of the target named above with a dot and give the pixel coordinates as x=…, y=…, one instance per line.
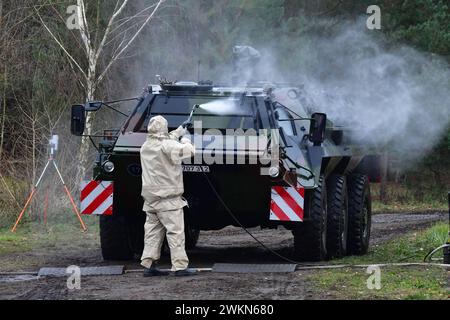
x=390, y=96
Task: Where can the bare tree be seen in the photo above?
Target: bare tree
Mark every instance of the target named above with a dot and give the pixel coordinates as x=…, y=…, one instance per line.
x=117, y=37
x=5, y=82
x=3, y=111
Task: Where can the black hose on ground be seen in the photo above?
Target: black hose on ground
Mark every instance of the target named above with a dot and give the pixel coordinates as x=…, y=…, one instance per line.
x=244, y=228
x=445, y=247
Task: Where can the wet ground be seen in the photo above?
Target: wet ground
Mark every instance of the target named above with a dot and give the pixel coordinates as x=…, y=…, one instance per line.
x=230, y=245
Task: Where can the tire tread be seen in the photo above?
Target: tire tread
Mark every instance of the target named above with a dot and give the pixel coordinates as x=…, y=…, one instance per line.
x=337, y=193
x=358, y=194
x=308, y=235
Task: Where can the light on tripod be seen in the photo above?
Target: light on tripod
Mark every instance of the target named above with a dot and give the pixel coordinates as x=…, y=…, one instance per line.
x=53, y=146
x=53, y=142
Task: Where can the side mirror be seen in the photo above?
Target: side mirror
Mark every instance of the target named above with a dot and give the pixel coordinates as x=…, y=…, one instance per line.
x=317, y=128
x=77, y=119
x=93, y=106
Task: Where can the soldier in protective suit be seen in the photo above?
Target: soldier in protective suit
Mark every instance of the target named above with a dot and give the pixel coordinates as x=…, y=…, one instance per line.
x=162, y=190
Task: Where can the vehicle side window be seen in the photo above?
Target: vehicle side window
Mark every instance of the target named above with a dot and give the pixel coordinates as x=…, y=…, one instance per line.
x=288, y=126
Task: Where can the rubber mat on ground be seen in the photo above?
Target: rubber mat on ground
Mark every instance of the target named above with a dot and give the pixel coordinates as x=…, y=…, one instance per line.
x=253, y=268
x=85, y=271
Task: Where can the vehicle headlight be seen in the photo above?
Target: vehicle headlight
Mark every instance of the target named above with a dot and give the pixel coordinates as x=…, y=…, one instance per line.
x=274, y=172
x=108, y=166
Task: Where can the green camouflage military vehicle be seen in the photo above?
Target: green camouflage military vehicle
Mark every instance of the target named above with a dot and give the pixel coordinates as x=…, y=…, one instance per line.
x=303, y=174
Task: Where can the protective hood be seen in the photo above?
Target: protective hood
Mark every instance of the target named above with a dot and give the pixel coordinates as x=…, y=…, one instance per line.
x=161, y=161
x=158, y=128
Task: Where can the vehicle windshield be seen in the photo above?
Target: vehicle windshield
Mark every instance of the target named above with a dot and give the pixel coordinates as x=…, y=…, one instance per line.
x=214, y=112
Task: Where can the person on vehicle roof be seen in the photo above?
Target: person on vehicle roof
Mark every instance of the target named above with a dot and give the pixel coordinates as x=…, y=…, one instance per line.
x=162, y=190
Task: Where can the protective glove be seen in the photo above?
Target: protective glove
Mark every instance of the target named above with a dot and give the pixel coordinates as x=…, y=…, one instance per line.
x=181, y=131
x=187, y=124
x=177, y=133
x=185, y=140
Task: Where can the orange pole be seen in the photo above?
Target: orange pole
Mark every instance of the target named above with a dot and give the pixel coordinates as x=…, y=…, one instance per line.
x=30, y=197
x=75, y=208
x=45, y=206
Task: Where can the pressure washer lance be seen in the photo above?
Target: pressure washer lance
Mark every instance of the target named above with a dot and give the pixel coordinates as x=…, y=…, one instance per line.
x=188, y=122
x=447, y=248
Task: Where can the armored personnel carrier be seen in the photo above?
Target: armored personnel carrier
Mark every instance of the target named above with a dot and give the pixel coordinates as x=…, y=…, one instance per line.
x=302, y=174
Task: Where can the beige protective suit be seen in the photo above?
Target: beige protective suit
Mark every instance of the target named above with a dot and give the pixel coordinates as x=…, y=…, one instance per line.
x=162, y=190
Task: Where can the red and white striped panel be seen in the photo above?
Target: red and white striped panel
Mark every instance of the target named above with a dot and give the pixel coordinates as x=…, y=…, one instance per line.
x=287, y=204
x=97, y=197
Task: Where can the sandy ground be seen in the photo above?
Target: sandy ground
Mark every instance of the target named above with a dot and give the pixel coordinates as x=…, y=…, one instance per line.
x=230, y=245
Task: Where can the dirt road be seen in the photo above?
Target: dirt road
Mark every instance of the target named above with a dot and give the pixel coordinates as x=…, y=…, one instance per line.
x=230, y=245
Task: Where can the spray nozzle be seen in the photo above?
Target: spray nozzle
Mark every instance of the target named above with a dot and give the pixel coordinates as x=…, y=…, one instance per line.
x=188, y=122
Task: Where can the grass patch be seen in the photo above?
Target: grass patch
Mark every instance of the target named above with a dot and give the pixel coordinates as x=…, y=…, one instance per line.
x=11, y=242
x=56, y=233
x=409, y=248
x=413, y=206
x=398, y=197
x=397, y=282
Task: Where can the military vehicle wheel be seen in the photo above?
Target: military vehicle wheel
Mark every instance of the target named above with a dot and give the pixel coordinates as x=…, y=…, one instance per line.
x=191, y=233
x=114, y=238
x=136, y=233
x=337, y=216
x=359, y=214
x=310, y=237
x=191, y=238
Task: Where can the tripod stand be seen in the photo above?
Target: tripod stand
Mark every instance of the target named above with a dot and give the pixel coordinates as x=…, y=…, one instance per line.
x=53, y=147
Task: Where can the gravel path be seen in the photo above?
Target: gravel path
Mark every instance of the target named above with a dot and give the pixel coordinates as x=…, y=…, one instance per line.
x=230, y=245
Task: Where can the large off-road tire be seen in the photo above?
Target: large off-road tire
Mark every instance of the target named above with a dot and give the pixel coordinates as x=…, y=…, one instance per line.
x=136, y=233
x=310, y=237
x=191, y=236
x=337, y=216
x=114, y=238
x=359, y=214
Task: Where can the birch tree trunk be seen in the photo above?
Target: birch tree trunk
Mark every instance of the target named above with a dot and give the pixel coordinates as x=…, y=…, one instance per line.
x=85, y=142
x=3, y=121
x=3, y=99
x=93, y=53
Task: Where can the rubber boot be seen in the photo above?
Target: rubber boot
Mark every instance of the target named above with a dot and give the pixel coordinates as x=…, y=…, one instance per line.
x=186, y=272
x=154, y=272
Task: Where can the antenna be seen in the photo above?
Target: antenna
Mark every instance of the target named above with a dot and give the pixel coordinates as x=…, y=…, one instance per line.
x=199, y=64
